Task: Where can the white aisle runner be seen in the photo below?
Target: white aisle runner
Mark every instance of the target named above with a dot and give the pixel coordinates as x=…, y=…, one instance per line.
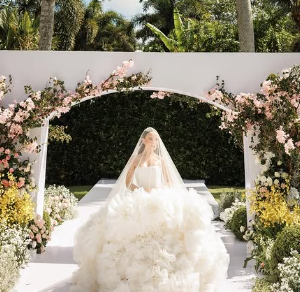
x=52, y=270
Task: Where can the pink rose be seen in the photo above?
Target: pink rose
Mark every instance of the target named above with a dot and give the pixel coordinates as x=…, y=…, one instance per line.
x=11, y=170
x=289, y=145
x=16, y=155
x=281, y=135
x=7, y=151
x=31, y=235
x=1, y=149
x=263, y=190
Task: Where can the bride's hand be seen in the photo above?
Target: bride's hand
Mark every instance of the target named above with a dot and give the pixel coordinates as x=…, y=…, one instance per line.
x=148, y=190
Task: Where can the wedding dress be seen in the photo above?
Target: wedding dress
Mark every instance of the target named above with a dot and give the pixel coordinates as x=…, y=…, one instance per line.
x=160, y=240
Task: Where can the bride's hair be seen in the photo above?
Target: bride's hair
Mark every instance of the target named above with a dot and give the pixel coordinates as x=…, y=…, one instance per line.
x=143, y=136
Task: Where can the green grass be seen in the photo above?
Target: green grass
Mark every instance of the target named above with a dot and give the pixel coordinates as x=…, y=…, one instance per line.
x=217, y=190
x=81, y=191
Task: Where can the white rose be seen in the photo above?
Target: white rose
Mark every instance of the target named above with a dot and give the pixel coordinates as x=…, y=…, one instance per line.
x=276, y=182
x=257, y=160
x=265, y=168
x=284, y=175
x=270, y=181
x=33, y=244
x=277, y=174
x=263, y=178
x=242, y=229
x=279, y=162
x=269, y=155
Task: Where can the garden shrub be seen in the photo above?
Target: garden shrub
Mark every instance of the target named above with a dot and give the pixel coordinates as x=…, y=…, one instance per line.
x=287, y=239
x=239, y=219
x=227, y=199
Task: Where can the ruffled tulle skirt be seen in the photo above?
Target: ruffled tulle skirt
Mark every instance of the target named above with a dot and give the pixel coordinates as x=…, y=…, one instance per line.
x=158, y=242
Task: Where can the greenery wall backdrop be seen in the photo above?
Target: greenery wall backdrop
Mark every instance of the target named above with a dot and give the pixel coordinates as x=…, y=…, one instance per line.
x=105, y=131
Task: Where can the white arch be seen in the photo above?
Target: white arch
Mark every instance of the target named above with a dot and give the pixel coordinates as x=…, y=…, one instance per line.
x=149, y=88
x=190, y=74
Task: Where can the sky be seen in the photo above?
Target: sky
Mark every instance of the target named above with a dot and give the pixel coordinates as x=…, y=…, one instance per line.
x=128, y=8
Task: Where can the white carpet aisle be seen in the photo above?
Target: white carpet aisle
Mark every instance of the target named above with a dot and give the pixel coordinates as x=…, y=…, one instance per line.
x=52, y=270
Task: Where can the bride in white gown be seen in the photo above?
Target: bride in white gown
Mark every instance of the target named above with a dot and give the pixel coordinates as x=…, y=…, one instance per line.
x=152, y=234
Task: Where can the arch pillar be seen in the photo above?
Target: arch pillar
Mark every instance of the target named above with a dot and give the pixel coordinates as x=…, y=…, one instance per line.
x=39, y=165
x=251, y=169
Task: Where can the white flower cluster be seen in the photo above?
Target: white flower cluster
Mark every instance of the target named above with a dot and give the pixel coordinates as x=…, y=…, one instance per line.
x=268, y=181
x=226, y=216
x=293, y=196
x=13, y=255
x=289, y=274
x=60, y=204
x=266, y=157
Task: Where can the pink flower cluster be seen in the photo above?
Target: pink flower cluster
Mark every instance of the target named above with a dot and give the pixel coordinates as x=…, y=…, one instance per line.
x=160, y=94
x=283, y=138
x=39, y=234
x=215, y=95
x=122, y=70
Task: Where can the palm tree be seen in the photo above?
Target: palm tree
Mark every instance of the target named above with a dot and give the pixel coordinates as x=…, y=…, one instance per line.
x=46, y=24
x=17, y=31
x=90, y=27
x=107, y=31
x=292, y=6
x=68, y=18
x=245, y=25
x=161, y=17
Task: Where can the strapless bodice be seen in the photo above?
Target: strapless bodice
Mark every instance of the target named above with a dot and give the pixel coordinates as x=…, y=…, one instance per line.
x=149, y=177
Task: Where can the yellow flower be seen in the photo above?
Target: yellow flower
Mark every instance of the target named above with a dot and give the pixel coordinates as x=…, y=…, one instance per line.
x=271, y=207
x=15, y=207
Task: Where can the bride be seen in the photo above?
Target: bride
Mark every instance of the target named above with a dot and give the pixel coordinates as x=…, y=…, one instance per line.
x=152, y=234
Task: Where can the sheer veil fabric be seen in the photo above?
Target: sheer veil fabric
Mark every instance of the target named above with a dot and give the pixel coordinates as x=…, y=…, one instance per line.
x=132, y=178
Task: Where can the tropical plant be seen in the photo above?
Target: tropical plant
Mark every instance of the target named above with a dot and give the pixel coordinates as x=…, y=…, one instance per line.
x=107, y=31
x=177, y=44
x=68, y=18
x=17, y=31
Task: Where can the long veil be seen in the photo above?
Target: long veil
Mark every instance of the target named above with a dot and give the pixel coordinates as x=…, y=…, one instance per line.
x=127, y=182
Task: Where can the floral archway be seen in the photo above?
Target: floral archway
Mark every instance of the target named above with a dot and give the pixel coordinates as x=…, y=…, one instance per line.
x=24, y=133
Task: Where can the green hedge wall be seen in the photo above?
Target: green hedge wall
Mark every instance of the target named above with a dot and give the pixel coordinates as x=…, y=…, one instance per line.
x=105, y=131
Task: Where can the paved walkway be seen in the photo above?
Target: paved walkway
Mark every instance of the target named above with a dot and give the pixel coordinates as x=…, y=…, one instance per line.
x=52, y=270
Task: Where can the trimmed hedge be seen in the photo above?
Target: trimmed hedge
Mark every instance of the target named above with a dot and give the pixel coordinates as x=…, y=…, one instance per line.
x=105, y=131
x=239, y=219
x=288, y=238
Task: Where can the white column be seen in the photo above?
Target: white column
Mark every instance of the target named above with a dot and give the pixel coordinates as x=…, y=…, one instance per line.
x=251, y=169
x=39, y=166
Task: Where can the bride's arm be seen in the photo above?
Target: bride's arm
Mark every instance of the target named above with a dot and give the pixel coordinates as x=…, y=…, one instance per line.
x=129, y=175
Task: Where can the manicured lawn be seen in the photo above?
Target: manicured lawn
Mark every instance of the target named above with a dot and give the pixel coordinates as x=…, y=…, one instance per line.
x=81, y=191
x=217, y=190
